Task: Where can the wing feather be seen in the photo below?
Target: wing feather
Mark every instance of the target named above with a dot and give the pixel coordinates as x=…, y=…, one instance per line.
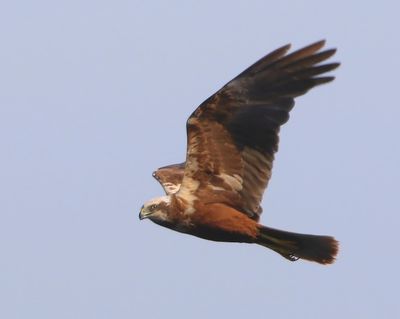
x=170, y=177
x=233, y=135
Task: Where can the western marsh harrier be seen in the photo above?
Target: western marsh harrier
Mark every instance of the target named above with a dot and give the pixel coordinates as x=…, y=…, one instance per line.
x=231, y=141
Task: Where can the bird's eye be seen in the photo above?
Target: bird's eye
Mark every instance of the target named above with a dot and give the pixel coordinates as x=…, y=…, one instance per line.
x=153, y=207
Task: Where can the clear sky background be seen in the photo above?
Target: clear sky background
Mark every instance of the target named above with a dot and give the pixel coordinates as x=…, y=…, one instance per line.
x=94, y=96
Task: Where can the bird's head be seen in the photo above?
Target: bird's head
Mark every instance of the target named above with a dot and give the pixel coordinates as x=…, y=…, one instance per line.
x=156, y=210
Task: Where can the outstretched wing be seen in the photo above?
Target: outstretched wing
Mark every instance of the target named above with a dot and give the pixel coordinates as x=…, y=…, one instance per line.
x=233, y=135
x=170, y=177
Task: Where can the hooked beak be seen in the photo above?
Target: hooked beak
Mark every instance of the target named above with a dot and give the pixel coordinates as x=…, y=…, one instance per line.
x=143, y=214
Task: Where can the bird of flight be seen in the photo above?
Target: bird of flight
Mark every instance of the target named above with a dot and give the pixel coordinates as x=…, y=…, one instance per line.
x=231, y=141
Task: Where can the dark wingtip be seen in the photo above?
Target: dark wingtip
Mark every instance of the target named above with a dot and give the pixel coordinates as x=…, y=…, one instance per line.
x=155, y=175
x=316, y=45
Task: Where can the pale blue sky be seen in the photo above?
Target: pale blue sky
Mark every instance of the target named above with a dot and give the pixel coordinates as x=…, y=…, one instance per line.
x=94, y=95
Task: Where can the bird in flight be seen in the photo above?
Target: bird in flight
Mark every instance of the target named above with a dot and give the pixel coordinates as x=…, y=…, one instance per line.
x=231, y=141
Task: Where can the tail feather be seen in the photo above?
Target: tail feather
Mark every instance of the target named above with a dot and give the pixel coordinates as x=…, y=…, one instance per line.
x=292, y=246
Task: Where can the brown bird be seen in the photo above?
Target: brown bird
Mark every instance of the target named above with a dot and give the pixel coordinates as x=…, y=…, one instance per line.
x=231, y=141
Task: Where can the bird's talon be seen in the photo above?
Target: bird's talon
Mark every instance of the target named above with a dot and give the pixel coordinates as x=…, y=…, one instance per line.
x=293, y=257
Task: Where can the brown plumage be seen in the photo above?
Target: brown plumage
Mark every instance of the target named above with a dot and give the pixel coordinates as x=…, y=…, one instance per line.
x=232, y=138
x=170, y=177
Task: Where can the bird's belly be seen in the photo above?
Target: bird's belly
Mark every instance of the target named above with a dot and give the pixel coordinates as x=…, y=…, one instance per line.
x=222, y=235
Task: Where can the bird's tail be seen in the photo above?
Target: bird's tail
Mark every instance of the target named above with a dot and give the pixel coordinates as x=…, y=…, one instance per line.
x=292, y=246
